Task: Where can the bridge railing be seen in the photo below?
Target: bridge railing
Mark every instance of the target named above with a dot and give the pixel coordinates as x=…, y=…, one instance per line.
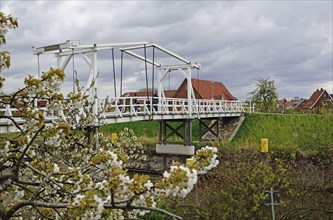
x=138, y=106
x=135, y=106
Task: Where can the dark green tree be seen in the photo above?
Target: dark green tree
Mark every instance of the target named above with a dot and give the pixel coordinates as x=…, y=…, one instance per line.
x=264, y=96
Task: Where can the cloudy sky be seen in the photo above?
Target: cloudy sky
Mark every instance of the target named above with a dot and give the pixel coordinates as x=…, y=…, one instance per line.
x=236, y=42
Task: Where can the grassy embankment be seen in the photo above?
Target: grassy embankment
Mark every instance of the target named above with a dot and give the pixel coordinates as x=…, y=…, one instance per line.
x=291, y=132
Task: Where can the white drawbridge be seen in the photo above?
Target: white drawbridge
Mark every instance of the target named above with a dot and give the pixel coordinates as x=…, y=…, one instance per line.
x=122, y=109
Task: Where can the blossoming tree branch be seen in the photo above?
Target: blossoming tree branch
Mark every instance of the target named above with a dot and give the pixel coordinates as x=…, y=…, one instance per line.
x=56, y=171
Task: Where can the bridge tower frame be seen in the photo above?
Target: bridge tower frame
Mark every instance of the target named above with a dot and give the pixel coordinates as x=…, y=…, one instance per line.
x=64, y=52
x=68, y=49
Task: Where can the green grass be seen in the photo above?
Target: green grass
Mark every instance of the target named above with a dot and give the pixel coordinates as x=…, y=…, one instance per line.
x=9, y=135
x=287, y=131
x=149, y=129
x=141, y=128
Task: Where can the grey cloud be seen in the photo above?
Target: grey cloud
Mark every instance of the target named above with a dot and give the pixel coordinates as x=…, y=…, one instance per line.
x=236, y=42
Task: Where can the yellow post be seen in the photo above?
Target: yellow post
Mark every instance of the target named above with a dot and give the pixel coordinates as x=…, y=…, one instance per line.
x=264, y=145
x=114, y=137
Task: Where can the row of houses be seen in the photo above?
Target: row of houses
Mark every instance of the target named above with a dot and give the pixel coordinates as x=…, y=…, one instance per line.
x=207, y=89
x=318, y=100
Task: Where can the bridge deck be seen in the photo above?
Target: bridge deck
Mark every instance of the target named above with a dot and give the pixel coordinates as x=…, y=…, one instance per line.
x=126, y=109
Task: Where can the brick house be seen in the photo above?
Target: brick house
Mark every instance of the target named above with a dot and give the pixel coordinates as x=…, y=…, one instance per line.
x=299, y=104
x=316, y=101
x=205, y=89
x=283, y=105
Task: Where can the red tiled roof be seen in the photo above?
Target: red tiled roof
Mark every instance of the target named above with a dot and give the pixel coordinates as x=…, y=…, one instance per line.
x=207, y=89
x=169, y=93
x=289, y=103
x=285, y=102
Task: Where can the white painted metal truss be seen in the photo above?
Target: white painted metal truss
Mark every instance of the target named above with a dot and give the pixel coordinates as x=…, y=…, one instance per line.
x=70, y=48
x=123, y=109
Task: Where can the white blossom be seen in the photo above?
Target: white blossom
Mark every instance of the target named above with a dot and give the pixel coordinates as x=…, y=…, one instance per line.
x=19, y=195
x=56, y=168
x=77, y=200
x=166, y=174
x=54, y=141
x=6, y=148
x=212, y=162
x=149, y=185
x=100, y=206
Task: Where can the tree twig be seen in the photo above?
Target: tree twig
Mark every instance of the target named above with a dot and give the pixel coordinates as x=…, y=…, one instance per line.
x=48, y=178
x=29, y=144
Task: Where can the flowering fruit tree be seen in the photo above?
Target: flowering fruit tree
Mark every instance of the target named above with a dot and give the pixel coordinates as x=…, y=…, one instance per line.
x=54, y=170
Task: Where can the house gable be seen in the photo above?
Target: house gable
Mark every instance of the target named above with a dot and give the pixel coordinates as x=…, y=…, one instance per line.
x=182, y=90
x=317, y=99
